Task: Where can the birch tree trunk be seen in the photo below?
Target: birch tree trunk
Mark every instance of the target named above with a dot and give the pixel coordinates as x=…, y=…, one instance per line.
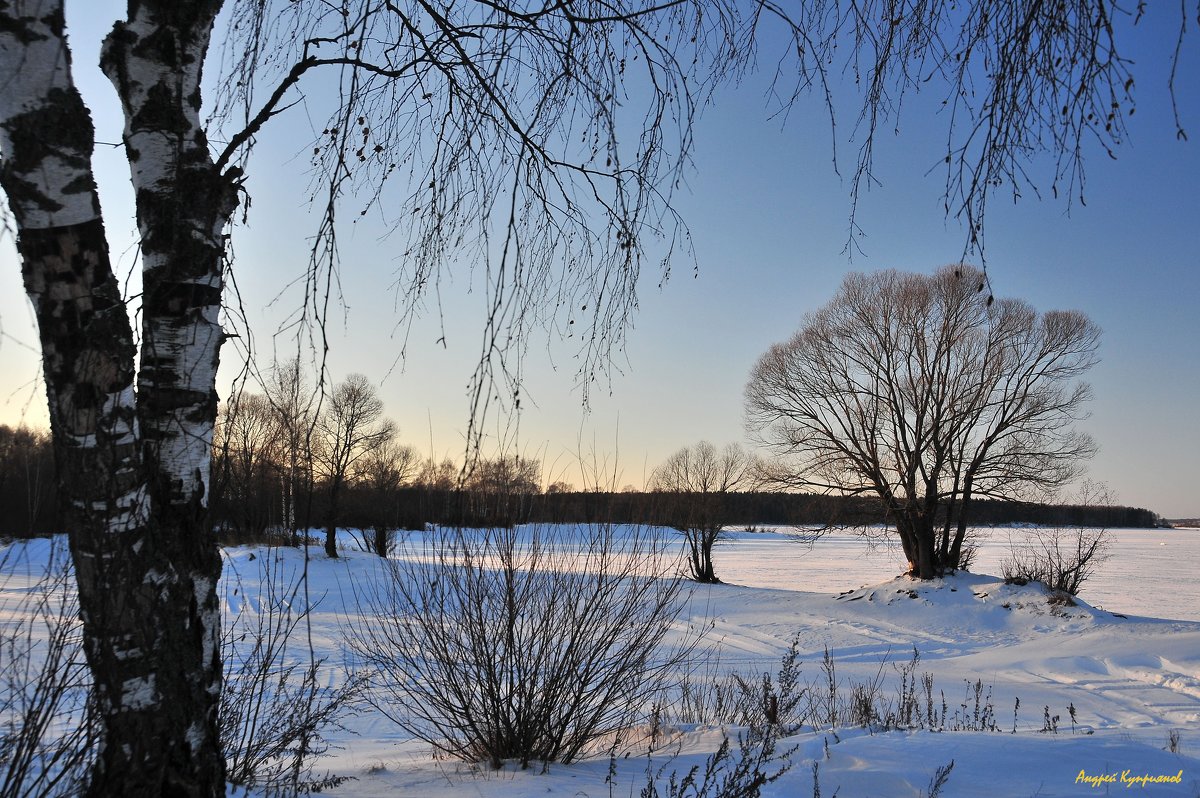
x=132, y=472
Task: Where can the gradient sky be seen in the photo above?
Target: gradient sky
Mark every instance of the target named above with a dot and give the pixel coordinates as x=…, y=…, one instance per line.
x=769, y=220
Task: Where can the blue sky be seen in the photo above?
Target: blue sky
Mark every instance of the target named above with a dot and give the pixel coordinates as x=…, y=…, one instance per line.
x=769, y=220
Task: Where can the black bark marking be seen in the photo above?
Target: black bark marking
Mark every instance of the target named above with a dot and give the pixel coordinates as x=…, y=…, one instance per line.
x=59, y=127
x=21, y=28
x=177, y=299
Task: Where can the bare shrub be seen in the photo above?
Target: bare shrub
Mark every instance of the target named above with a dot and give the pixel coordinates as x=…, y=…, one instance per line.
x=48, y=729
x=788, y=704
x=1049, y=724
x=976, y=711
x=832, y=703
x=1061, y=558
x=277, y=705
x=939, y=779
x=725, y=774
x=706, y=700
x=780, y=702
x=776, y=703
x=523, y=644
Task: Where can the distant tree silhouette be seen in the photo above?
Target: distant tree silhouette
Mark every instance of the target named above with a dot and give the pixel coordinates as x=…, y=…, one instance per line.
x=26, y=482
x=380, y=475
x=248, y=469
x=348, y=429
x=694, y=483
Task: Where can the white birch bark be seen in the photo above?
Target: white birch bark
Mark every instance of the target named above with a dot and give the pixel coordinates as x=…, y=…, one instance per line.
x=133, y=467
x=36, y=67
x=154, y=60
x=46, y=140
x=180, y=341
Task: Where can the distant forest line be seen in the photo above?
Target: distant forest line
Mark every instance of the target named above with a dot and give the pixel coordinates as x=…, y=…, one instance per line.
x=414, y=507
x=29, y=511
x=249, y=509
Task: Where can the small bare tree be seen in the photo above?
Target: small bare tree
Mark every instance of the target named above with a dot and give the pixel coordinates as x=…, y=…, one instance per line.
x=349, y=428
x=926, y=392
x=1061, y=559
x=294, y=407
x=382, y=472
x=695, y=481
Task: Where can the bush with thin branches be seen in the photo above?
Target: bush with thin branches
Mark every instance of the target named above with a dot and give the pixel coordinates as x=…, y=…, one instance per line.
x=276, y=709
x=526, y=644
x=277, y=705
x=48, y=730
x=726, y=774
x=1061, y=558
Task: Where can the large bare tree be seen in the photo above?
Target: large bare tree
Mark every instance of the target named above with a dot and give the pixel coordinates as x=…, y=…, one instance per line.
x=926, y=392
x=543, y=139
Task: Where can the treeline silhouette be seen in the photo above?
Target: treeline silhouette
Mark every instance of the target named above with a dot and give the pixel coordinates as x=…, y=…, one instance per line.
x=27, y=492
x=413, y=507
x=755, y=508
x=265, y=504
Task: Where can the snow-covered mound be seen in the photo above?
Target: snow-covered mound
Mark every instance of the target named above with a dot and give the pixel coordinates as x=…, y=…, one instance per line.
x=979, y=604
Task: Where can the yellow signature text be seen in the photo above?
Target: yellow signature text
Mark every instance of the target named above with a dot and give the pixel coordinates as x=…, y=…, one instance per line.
x=1127, y=778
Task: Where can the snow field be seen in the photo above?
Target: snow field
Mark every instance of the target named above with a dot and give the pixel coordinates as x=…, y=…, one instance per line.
x=1131, y=680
